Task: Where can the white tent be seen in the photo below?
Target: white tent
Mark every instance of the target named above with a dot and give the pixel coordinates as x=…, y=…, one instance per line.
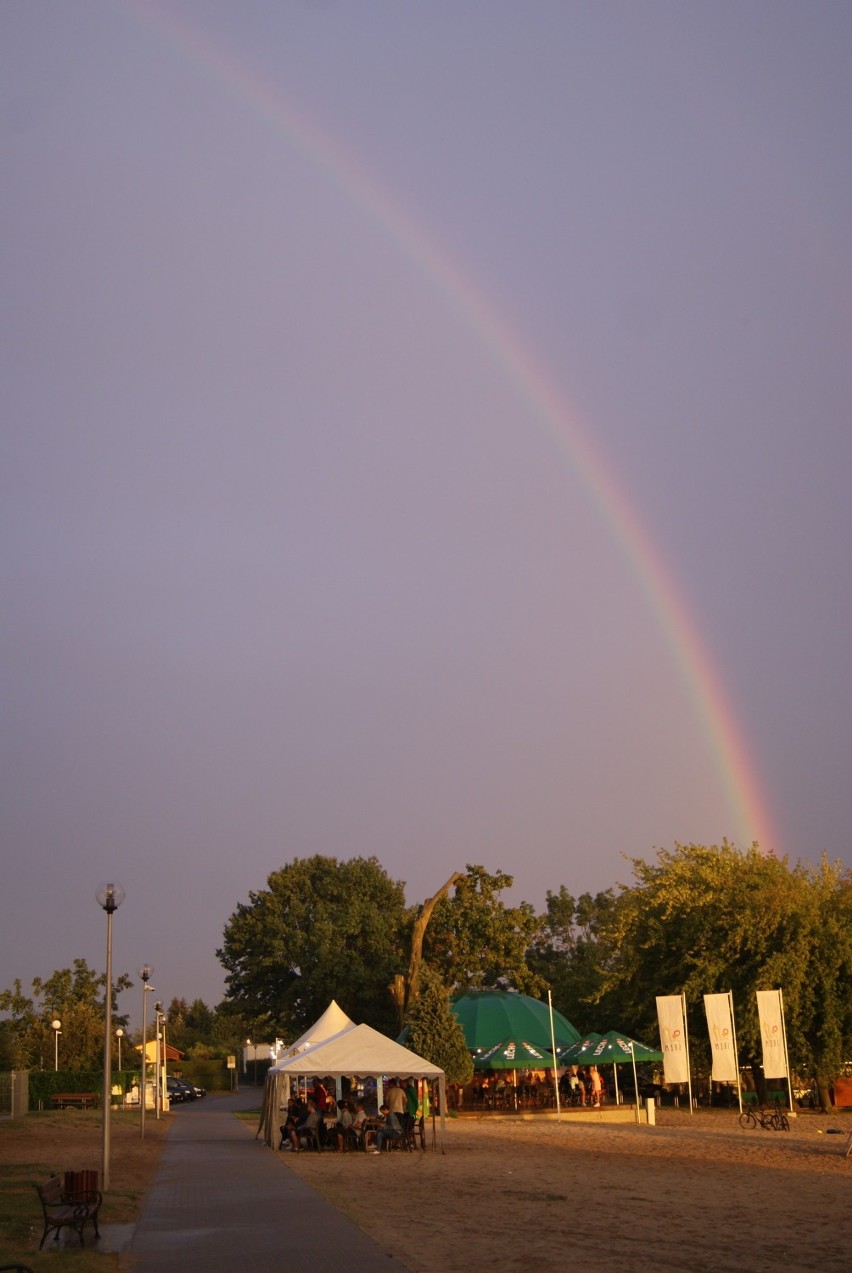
x=332, y=1021
x=358, y=1051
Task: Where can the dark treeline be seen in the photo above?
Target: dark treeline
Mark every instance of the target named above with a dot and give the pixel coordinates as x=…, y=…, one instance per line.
x=696, y=920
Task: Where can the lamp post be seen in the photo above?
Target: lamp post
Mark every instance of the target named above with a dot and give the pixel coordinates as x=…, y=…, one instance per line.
x=164, y=1089
x=119, y=1034
x=158, y=1011
x=56, y=1027
x=109, y=896
x=145, y=973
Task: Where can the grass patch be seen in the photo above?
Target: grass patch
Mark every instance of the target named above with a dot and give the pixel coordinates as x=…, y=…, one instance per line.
x=51, y=1142
x=248, y=1115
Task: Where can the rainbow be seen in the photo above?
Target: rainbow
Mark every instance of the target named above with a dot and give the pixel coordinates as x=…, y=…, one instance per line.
x=736, y=770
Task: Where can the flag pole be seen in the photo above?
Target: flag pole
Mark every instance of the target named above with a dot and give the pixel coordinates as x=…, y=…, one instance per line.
x=555, y=1059
x=786, y=1056
x=635, y=1079
x=736, y=1050
x=686, y=1041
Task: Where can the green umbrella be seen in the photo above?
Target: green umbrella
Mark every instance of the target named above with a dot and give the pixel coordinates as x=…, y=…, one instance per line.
x=491, y=1017
x=513, y=1054
x=568, y=1056
x=613, y=1049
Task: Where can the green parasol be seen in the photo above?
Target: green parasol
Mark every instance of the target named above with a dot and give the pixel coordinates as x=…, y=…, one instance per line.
x=514, y=1054
x=568, y=1056
x=616, y=1049
x=490, y=1018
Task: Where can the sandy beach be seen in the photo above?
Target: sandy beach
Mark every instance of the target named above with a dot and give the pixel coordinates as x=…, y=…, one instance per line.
x=694, y=1192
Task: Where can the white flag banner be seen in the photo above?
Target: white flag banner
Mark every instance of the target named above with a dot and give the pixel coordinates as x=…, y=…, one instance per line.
x=771, y=1014
x=721, y=1028
x=673, y=1038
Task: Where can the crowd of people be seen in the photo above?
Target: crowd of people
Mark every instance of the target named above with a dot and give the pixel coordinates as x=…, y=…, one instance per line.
x=578, y=1085
x=317, y=1121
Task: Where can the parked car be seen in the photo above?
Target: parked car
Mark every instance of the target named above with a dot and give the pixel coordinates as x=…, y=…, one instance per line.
x=179, y=1091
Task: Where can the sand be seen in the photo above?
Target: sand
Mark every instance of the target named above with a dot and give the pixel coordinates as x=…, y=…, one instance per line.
x=694, y=1192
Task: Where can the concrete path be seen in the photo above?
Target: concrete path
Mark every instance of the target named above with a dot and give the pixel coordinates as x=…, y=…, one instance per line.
x=222, y=1200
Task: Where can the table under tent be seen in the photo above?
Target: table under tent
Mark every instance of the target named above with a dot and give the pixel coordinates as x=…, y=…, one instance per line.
x=355, y=1051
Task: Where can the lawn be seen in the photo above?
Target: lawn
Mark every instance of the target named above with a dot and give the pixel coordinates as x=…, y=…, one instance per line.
x=49, y=1143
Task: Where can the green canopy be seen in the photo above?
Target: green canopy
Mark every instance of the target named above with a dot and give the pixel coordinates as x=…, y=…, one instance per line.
x=491, y=1017
x=612, y=1048
x=616, y=1049
x=568, y=1056
x=514, y=1054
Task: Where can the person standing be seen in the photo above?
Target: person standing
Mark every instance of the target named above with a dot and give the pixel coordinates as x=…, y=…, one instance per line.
x=395, y=1098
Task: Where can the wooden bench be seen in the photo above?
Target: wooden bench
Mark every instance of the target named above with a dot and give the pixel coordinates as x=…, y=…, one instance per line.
x=64, y=1210
x=74, y=1100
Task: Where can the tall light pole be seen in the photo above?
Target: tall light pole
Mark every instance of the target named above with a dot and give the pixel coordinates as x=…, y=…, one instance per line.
x=145, y=973
x=56, y=1027
x=110, y=897
x=158, y=1010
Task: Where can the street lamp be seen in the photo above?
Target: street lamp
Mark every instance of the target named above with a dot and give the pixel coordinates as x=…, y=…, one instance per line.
x=109, y=897
x=119, y=1034
x=158, y=1016
x=56, y=1027
x=145, y=973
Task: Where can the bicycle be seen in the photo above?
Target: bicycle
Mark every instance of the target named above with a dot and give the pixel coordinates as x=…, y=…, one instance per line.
x=770, y=1119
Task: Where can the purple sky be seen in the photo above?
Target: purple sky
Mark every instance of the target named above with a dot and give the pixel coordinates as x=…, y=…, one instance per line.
x=292, y=564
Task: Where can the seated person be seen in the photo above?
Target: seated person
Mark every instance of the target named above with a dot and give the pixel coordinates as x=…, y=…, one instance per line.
x=296, y=1112
x=343, y=1125
x=359, y=1119
x=391, y=1129
x=306, y=1129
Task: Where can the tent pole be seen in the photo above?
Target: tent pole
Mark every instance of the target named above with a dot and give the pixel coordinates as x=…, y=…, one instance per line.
x=442, y=1097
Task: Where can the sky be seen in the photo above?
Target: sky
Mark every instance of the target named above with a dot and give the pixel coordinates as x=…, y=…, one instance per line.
x=426, y=434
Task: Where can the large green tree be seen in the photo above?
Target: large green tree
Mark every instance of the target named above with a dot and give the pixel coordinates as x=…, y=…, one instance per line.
x=474, y=941
x=435, y=1034
x=567, y=952
x=320, y=930
x=700, y=920
x=76, y=997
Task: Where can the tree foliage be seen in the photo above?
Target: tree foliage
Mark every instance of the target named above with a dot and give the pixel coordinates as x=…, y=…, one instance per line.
x=202, y=1032
x=320, y=930
x=434, y=1033
x=76, y=997
x=701, y=920
x=474, y=941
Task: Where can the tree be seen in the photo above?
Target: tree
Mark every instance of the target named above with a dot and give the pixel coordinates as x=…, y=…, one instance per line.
x=435, y=1034
x=74, y=995
x=701, y=920
x=405, y=989
x=322, y=929
x=566, y=952
x=474, y=941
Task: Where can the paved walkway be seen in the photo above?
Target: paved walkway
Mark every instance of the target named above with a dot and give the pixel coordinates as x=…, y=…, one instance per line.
x=222, y=1200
